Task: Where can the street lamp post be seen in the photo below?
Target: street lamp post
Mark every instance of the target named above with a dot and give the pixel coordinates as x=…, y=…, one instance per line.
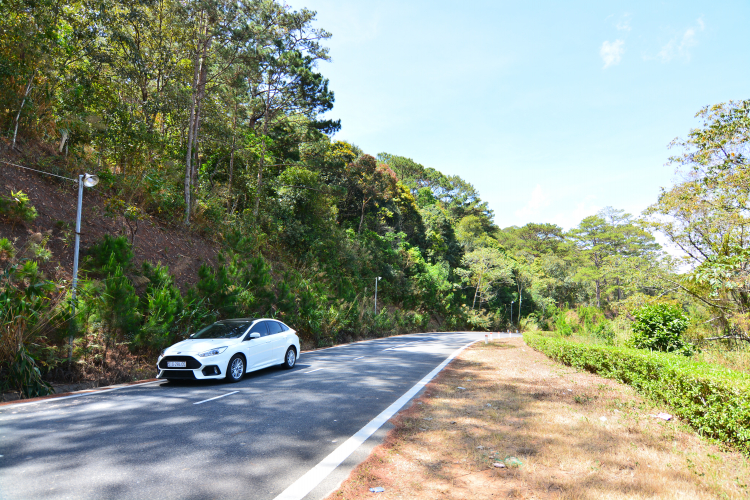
x=511, y=314
x=376, y=295
x=88, y=180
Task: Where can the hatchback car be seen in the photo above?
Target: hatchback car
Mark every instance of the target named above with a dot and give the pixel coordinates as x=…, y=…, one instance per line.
x=229, y=349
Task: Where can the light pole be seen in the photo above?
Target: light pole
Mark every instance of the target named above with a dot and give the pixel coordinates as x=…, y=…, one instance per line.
x=88, y=180
x=376, y=295
x=511, y=314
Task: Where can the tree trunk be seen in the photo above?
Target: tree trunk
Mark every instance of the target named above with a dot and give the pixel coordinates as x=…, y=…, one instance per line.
x=199, y=91
x=23, y=101
x=362, y=217
x=189, y=142
x=263, y=149
x=598, y=293
x=231, y=154
x=476, y=291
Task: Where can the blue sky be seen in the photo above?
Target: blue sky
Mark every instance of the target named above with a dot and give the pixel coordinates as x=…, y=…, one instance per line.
x=553, y=110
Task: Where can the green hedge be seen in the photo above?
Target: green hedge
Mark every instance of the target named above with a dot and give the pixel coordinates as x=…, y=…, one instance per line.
x=714, y=400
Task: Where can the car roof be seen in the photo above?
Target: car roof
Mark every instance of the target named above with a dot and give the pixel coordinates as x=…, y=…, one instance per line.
x=246, y=320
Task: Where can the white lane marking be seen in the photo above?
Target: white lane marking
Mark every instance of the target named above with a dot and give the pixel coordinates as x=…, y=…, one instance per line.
x=217, y=397
x=92, y=393
x=355, y=359
x=305, y=373
x=305, y=484
x=400, y=346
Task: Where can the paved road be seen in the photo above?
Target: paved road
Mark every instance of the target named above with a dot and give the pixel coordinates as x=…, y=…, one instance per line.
x=155, y=441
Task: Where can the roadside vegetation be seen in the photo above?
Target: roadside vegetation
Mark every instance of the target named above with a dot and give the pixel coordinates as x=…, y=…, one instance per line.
x=212, y=119
x=504, y=421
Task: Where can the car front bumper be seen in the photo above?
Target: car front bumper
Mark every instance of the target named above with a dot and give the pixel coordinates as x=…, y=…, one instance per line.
x=211, y=368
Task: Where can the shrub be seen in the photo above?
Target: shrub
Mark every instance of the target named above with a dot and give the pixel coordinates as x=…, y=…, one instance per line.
x=562, y=326
x=162, y=307
x=714, y=400
x=17, y=207
x=659, y=327
x=604, y=331
x=110, y=253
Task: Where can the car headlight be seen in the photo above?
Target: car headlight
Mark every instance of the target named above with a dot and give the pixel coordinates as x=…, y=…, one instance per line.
x=212, y=352
x=161, y=355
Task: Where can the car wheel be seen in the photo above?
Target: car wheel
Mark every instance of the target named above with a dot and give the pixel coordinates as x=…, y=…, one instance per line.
x=235, y=368
x=290, y=358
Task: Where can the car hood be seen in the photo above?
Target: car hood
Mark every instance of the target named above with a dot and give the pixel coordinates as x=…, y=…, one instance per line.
x=199, y=345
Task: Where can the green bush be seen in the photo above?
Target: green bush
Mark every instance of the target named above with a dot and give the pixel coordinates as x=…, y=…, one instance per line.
x=17, y=207
x=109, y=254
x=714, y=400
x=659, y=327
x=562, y=326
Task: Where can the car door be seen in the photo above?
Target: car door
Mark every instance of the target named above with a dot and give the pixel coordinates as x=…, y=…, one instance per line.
x=278, y=342
x=256, y=350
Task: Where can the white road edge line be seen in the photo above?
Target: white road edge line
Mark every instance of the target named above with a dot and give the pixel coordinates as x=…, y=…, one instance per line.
x=92, y=393
x=304, y=485
x=217, y=397
x=355, y=359
x=305, y=373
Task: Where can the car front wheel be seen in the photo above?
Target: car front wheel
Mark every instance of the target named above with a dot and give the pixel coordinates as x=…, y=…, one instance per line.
x=290, y=358
x=236, y=368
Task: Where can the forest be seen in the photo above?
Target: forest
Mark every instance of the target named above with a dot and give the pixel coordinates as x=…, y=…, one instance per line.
x=207, y=116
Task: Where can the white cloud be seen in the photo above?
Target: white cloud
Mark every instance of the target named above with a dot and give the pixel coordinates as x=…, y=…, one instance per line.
x=624, y=23
x=538, y=200
x=611, y=52
x=571, y=218
x=679, y=46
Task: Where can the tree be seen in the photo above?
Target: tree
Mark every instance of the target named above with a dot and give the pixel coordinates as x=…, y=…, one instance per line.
x=609, y=233
x=707, y=215
x=485, y=268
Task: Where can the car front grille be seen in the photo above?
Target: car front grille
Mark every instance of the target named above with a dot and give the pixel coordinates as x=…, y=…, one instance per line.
x=190, y=362
x=185, y=374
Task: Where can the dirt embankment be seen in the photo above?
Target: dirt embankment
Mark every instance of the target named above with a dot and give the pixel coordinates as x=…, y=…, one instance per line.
x=55, y=201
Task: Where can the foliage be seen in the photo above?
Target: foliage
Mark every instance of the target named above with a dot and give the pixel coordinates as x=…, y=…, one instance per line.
x=25, y=377
x=26, y=300
x=17, y=207
x=715, y=401
x=659, y=327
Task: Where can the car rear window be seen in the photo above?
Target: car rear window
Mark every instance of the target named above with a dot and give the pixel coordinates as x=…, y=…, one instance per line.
x=222, y=330
x=274, y=327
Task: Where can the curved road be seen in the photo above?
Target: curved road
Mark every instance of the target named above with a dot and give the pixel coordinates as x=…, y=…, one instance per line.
x=202, y=440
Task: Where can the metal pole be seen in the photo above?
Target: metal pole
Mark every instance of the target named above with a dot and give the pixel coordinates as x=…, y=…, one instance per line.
x=75, y=267
x=511, y=314
x=376, y=296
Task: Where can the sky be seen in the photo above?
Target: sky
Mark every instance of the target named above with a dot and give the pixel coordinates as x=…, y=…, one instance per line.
x=552, y=110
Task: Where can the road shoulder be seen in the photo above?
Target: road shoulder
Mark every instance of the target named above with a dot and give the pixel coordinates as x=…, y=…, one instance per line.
x=503, y=420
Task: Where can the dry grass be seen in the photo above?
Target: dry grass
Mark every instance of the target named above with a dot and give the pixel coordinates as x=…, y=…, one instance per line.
x=578, y=436
x=738, y=360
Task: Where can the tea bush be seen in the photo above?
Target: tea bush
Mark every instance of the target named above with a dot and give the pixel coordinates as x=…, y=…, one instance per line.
x=714, y=400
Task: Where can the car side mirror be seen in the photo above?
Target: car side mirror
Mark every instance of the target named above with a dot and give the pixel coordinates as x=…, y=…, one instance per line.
x=254, y=335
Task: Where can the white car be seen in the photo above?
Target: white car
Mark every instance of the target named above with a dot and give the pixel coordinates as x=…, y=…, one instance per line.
x=229, y=349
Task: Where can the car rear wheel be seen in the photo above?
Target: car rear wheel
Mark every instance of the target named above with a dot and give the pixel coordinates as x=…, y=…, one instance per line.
x=235, y=368
x=290, y=358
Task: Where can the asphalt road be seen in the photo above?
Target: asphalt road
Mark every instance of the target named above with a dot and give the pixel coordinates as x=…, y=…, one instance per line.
x=165, y=440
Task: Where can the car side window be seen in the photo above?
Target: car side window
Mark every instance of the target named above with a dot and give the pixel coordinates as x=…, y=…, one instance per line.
x=284, y=328
x=274, y=327
x=260, y=327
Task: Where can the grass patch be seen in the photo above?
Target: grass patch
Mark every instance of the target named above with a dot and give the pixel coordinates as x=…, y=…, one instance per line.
x=576, y=435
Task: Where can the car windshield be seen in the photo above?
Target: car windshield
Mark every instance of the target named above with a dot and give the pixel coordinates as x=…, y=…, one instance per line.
x=223, y=330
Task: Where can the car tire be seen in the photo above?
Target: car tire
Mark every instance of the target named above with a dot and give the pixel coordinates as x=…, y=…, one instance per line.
x=235, y=368
x=290, y=358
